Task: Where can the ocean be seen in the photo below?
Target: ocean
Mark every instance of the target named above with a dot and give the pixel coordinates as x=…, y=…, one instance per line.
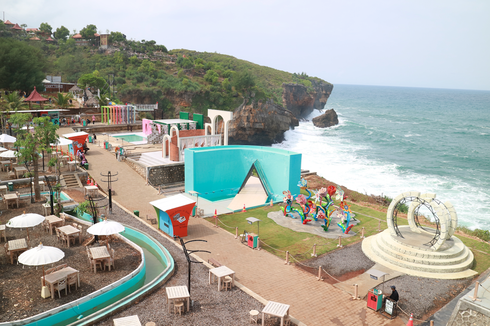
x=395, y=139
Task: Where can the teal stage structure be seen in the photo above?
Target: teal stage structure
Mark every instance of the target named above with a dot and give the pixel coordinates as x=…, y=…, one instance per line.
x=220, y=172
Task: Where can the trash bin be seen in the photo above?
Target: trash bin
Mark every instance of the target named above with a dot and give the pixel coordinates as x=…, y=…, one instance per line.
x=11, y=186
x=90, y=140
x=85, y=166
x=84, y=123
x=137, y=213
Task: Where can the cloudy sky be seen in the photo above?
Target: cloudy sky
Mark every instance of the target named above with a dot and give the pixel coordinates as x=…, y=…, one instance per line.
x=437, y=44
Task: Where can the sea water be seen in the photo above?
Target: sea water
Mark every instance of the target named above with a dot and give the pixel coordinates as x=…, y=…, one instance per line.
x=394, y=139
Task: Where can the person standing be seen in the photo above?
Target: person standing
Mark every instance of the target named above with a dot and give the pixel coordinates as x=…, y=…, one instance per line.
x=93, y=119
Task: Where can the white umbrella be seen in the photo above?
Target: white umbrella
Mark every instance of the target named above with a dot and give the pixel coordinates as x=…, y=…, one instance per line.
x=106, y=228
x=8, y=154
x=41, y=255
x=25, y=221
x=2, y=149
x=4, y=138
x=62, y=142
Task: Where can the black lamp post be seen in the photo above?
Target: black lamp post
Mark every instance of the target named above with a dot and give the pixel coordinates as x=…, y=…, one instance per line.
x=189, y=261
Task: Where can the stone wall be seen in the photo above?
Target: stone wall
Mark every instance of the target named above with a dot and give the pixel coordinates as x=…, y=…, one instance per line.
x=140, y=169
x=166, y=174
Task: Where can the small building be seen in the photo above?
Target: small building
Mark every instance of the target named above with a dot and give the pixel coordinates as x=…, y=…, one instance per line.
x=173, y=214
x=104, y=41
x=53, y=84
x=79, y=138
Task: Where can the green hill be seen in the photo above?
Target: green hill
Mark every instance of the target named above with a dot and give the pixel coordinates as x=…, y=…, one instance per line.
x=144, y=72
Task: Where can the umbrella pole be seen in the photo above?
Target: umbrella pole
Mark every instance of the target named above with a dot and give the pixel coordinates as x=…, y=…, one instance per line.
x=45, y=293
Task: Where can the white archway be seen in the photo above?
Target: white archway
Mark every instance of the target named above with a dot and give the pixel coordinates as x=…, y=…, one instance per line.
x=227, y=116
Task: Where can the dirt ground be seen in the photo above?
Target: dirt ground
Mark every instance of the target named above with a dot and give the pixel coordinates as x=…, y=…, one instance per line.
x=20, y=286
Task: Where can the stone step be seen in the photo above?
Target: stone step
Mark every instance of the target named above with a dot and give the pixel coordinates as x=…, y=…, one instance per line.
x=389, y=241
x=307, y=174
x=424, y=257
x=70, y=181
x=416, y=263
x=432, y=272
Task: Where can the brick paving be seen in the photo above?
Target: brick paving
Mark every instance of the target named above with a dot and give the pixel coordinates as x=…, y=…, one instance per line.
x=312, y=302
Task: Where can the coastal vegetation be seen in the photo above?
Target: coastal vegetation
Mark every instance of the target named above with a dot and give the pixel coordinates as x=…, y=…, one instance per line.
x=142, y=71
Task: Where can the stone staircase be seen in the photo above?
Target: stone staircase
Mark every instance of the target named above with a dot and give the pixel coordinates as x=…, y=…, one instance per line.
x=70, y=180
x=305, y=173
x=453, y=261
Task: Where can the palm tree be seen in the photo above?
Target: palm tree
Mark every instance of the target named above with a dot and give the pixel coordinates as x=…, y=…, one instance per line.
x=103, y=99
x=14, y=101
x=63, y=101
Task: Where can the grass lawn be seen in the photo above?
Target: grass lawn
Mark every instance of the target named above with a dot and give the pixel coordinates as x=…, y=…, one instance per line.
x=277, y=239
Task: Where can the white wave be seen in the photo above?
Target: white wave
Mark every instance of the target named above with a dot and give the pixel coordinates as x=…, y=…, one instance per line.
x=339, y=160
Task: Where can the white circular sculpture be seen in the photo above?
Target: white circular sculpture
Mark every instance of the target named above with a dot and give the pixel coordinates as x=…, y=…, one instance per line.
x=444, y=216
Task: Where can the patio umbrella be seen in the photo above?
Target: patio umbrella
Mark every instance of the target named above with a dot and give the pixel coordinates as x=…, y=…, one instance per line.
x=62, y=142
x=8, y=154
x=2, y=149
x=4, y=138
x=40, y=256
x=106, y=228
x=25, y=221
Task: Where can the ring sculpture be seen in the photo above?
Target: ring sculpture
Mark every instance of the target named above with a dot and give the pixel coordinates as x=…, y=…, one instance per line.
x=444, y=216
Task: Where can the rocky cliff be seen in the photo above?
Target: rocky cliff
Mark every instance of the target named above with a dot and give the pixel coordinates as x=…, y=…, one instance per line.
x=301, y=102
x=260, y=123
x=257, y=123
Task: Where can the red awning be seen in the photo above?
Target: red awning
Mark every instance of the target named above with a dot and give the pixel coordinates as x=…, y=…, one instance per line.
x=35, y=97
x=16, y=26
x=77, y=36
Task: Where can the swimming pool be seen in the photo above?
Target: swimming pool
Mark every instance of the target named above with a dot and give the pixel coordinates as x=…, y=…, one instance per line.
x=63, y=197
x=130, y=138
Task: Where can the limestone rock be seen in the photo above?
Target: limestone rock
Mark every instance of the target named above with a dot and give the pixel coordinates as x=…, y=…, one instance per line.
x=260, y=123
x=328, y=119
x=301, y=102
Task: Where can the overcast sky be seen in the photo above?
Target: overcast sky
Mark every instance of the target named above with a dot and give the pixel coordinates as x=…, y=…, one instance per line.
x=437, y=44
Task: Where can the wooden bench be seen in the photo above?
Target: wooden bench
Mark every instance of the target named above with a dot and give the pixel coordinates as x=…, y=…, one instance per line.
x=214, y=262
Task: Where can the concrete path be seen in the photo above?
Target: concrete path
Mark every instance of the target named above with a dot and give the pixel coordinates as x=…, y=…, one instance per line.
x=312, y=302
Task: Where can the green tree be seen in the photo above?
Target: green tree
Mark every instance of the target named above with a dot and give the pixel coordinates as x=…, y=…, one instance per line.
x=46, y=29
x=211, y=76
x=146, y=67
x=32, y=143
x=91, y=80
x=61, y=33
x=4, y=30
x=117, y=37
x=21, y=66
x=88, y=32
x=244, y=80
x=225, y=84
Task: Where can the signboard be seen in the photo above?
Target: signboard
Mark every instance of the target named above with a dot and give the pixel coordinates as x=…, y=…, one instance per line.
x=389, y=306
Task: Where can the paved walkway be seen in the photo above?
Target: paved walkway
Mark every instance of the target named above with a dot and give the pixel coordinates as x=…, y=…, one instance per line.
x=312, y=302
